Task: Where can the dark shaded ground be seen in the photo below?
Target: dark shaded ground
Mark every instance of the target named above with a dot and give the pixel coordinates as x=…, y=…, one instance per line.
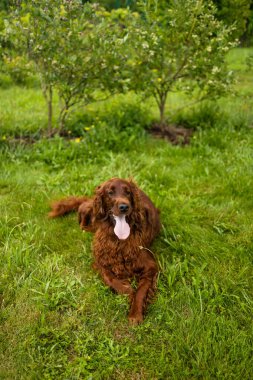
x=176, y=135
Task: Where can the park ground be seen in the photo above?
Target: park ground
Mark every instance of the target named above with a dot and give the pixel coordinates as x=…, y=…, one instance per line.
x=58, y=320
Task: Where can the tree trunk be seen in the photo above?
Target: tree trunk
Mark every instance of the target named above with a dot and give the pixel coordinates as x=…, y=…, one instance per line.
x=161, y=105
x=50, y=111
x=62, y=117
x=48, y=95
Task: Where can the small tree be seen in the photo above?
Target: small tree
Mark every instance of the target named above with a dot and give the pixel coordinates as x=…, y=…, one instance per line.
x=26, y=28
x=180, y=47
x=60, y=38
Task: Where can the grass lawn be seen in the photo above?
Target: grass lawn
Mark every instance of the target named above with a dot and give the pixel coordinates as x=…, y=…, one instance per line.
x=58, y=320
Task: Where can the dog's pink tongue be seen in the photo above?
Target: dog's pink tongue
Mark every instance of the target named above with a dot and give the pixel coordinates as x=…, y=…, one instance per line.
x=121, y=229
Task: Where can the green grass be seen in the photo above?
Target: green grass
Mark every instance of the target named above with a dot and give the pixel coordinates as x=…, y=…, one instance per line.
x=58, y=320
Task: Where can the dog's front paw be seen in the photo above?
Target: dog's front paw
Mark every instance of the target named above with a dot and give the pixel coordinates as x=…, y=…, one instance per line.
x=135, y=319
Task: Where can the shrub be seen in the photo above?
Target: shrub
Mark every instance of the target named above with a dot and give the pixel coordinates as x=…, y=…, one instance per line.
x=114, y=125
x=207, y=114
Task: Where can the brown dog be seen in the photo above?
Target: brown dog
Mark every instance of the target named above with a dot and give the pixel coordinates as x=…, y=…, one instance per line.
x=125, y=223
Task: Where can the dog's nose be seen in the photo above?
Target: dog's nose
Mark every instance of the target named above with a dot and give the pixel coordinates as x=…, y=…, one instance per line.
x=123, y=207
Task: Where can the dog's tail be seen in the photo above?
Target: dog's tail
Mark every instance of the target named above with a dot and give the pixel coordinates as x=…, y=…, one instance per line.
x=65, y=206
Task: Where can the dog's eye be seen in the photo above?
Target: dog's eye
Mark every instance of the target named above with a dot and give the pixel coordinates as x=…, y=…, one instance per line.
x=128, y=192
x=110, y=192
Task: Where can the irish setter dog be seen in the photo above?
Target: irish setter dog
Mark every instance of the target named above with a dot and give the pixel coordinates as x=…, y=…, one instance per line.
x=125, y=223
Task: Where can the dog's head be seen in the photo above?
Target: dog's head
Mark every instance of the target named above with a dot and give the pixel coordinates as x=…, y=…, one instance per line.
x=117, y=200
x=115, y=197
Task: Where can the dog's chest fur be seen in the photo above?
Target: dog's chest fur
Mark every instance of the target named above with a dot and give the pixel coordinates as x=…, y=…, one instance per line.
x=119, y=256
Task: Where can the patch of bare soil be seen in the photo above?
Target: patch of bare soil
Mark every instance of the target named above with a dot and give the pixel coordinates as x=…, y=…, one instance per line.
x=176, y=135
x=25, y=140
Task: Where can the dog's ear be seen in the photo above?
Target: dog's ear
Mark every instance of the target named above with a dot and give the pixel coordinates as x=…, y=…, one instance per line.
x=135, y=194
x=99, y=211
x=85, y=216
x=136, y=214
